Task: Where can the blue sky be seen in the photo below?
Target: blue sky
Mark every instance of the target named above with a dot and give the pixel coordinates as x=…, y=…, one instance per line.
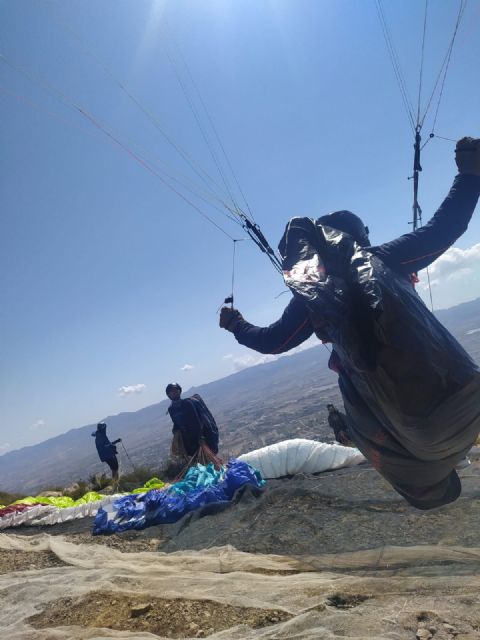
x=110, y=282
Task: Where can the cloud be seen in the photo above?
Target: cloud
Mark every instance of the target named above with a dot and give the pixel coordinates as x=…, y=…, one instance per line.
x=254, y=359
x=455, y=264
x=37, y=425
x=187, y=367
x=4, y=447
x=131, y=389
x=243, y=362
x=227, y=356
x=313, y=341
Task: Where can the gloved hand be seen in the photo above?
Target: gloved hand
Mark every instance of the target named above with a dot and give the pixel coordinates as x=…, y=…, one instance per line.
x=467, y=156
x=229, y=318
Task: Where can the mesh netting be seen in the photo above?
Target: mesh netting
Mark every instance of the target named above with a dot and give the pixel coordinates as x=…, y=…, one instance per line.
x=379, y=593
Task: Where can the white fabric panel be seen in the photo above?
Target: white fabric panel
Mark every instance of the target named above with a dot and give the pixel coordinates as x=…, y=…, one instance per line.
x=41, y=514
x=289, y=457
x=22, y=517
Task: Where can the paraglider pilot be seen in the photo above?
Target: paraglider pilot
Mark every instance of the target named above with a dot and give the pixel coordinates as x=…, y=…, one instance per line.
x=107, y=451
x=192, y=423
x=411, y=392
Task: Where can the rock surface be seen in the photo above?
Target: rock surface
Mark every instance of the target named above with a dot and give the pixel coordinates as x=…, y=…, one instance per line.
x=381, y=569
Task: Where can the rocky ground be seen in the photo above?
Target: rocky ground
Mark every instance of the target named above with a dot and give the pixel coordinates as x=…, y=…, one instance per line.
x=171, y=618
x=345, y=510
x=326, y=520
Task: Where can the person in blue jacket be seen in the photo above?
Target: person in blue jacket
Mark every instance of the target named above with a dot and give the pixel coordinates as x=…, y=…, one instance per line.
x=417, y=459
x=107, y=451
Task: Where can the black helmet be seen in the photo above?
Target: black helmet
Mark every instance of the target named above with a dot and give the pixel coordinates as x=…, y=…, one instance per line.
x=101, y=426
x=171, y=386
x=347, y=222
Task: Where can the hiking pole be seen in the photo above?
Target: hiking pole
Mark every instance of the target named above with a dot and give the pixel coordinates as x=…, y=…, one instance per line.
x=129, y=459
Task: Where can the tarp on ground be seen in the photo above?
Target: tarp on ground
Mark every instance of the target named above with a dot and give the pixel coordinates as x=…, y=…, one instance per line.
x=14, y=508
x=201, y=486
x=374, y=593
x=44, y=514
x=47, y=510
x=289, y=457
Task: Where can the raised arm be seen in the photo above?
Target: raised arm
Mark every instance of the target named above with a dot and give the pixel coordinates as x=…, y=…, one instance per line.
x=415, y=251
x=293, y=328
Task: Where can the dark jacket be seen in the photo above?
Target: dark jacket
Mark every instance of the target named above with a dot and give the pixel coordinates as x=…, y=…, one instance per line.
x=192, y=418
x=404, y=448
x=106, y=449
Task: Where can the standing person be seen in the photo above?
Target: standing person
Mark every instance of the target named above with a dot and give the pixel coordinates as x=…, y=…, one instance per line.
x=411, y=393
x=338, y=423
x=107, y=451
x=192, y=423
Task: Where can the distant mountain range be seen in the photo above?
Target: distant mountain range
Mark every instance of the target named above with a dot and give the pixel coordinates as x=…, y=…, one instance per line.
x=254, y=407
